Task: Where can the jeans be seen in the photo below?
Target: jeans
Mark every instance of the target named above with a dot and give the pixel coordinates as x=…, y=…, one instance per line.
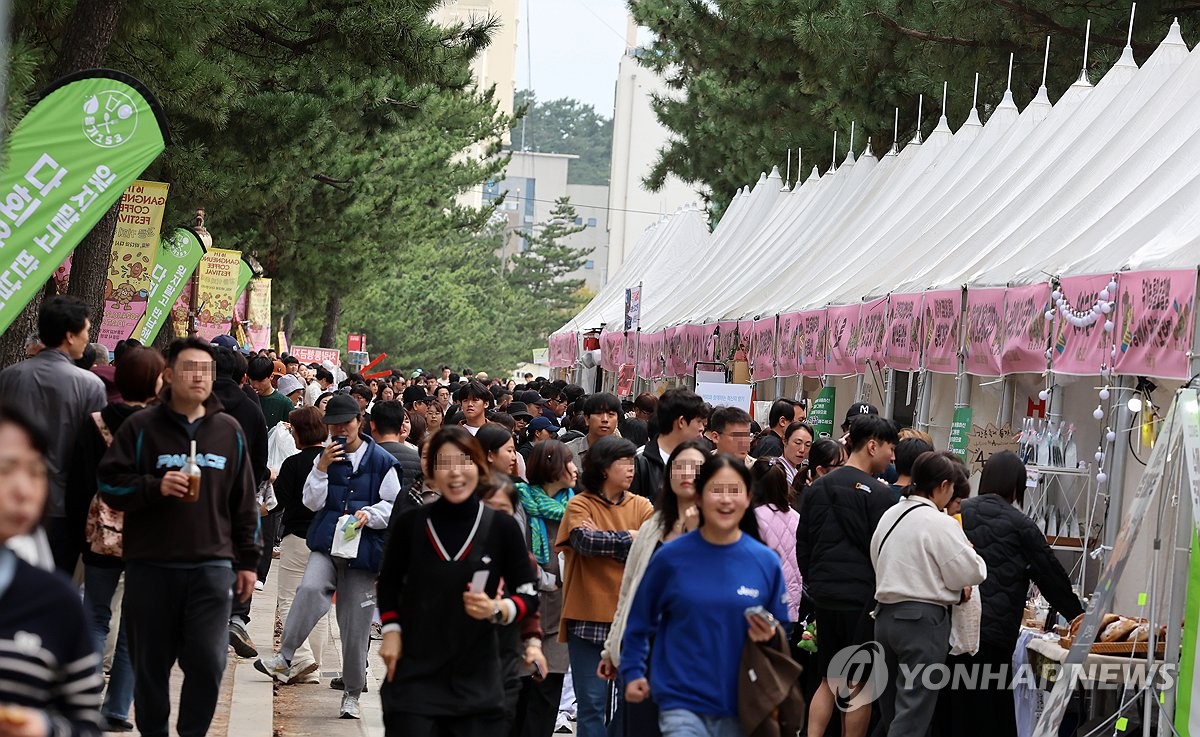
x=683, y=723
x=591, y=691
x=293, y=559
x=99, y=585
x=177, y=614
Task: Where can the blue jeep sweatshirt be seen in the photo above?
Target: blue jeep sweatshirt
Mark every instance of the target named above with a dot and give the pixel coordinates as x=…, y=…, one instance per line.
x=693, y=600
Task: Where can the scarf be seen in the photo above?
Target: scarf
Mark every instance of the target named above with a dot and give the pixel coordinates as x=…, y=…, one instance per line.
x=540, y=508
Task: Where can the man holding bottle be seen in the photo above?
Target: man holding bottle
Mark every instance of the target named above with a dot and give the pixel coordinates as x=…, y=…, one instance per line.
x=184, y=550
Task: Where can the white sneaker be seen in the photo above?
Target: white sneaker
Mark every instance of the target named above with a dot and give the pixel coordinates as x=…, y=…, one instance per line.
x=258, y=585
x=307, y=673
x=278, y=669
x=350, y=708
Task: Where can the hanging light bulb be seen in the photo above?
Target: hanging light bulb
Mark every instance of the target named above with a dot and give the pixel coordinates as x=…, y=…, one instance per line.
x=1049, y=315
x=1108, y=326
x=1104, y=395
x=1112, y=286
x=1105, y=307
x=1110, y=436
x=1099, y=456
x=1134, y=404
x=1101, y=477
x=1043, y=395
x=1098, y=413
x=1103, y=296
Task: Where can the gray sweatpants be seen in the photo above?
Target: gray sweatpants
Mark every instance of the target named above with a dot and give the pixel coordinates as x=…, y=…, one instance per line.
x=355, y=590
x=914, y=635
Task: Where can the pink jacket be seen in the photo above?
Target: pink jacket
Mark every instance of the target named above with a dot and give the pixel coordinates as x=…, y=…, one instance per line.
x=778, y=532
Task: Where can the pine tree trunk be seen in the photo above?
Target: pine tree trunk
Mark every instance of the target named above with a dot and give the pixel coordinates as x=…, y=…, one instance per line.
x=333, y=311
x=85, y=46
x=289, y=324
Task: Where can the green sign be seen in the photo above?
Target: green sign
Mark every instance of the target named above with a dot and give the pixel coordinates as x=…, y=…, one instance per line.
x=245, y=274
x=69, y=161
x=960, y=431
x=820, y=415
x=178, y=256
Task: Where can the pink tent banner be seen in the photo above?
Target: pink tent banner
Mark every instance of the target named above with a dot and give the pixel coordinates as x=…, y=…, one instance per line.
x=872, y=331
x=762, y=349
x=810, y=354
x=650, y=355
x=985, y=331
x=692, y=340
x=788, y=338
x=1154, y=318
x=1081, y=351
x=563, y=350
x=902, y=349
x=1025, y=329
x=674, y=351
x=728, y=339
x=630, y=351
x=706, y=345
x=611, y=347
x=842, y=340
x=941, y=320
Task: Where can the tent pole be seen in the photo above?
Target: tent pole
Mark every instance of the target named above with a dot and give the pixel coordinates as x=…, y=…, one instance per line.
x=1006, y=401
x=962, y=387
x=860, y=387
x=924, y=391
x=889, y=393
x=1118, y=453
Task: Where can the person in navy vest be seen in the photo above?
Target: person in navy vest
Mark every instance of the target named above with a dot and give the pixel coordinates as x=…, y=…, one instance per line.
x=360, y=480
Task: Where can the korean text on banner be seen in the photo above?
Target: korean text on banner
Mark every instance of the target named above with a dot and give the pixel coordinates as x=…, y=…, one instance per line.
x=650, y=354
x=843, y=338
x=762, y=349
x=178, y=256
x=694, y=337
x=706, y=349
x=633, y=308
x=726, y=395
x=985, y=332
x=1080, y=351
x=218, y=291
x=66, y=164
x=960, y=431
x=941, y=319
x=307, y=354
x=629, y=348
x=612, y=346
x=903, y=349
x=258, y=313
x=728, y=340
x=1154, y=318
x=674, y=351
x=811, y=351
x=872, y=332
x=820, y=415
x=134, y=248
x=1025, y=329
x=788, y=337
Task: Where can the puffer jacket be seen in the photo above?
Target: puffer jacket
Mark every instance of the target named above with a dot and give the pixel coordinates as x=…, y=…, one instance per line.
x=1016, y=552
x=777, y=530
x=838, y=515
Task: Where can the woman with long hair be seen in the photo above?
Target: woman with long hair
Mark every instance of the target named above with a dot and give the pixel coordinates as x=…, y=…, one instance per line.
x=697, y=624
x=439, y=604
x=676, y=515
x=543, y=500
x=924, y=565
x=596, y=534
x=500, y=448
x=797, y=441
x=777, y=522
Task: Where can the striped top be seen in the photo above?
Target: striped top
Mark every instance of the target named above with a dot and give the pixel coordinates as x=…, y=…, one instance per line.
x=47, y=658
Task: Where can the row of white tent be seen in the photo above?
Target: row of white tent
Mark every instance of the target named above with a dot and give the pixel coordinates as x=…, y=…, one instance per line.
x=1104, y=180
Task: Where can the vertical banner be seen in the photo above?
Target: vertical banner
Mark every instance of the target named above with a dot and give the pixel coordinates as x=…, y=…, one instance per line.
x=1154, y=318
x=842, y=343
x=821, y=413
x=178, y=256
x=650, y=355
x=131, y=264
x=218, y=291
x=960, y=431
x=788, y=337
x=693, y=339
x=1080, y=351
x=625, y=380
x=674, y=350
x=762, y=349
x=633, y=308
x=941, y=321
x=611, y=347
x=811, y=353
x=629, y=348
x=706, y=349
x=985, y=332
x=727, y=340
x=258, y=313
x=903, y=349
x=66, y=163
x=872, y=332
x=1025, y=329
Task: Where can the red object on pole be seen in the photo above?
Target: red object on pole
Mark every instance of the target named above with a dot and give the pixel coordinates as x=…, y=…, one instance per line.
x=371, y=365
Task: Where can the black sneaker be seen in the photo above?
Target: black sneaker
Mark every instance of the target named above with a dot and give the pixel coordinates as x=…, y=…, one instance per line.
x=239, y=638
x=337, y=684
x=112, y=724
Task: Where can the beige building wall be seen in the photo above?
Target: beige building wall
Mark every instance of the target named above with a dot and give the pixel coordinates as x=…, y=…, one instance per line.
x=637, y=138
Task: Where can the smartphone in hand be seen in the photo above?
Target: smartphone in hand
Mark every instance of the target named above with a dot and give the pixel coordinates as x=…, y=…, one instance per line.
x=762, y=614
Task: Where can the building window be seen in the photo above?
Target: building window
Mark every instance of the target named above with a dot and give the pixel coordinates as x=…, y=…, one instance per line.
x=578, y=220
x=589, y=264
x=591, y=222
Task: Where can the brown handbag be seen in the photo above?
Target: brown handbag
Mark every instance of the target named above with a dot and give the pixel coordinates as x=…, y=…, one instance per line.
x=104, y=527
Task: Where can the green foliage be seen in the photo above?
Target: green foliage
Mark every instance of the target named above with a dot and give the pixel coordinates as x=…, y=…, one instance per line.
x=752, y=79
x=566, y=126
x=539, y=274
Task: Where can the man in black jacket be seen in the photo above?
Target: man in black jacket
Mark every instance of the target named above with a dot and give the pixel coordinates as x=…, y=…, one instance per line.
x=681, y=416
x=839, y=513
x=227, y=387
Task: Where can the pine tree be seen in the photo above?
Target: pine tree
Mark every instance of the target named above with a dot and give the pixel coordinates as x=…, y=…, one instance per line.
x=539, y=273
x=566, y=126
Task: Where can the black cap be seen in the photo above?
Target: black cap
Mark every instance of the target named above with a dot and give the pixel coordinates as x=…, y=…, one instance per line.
x=518, y=410
x=341, y=408
x=531, y=396
x=415, y=393
x=857, y=410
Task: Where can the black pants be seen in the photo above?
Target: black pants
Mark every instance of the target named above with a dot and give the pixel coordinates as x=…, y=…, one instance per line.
x=65, y=538
x=959, y=708
x=177, y=614
x=537, y=707
x=397, y=724
x=270, y=531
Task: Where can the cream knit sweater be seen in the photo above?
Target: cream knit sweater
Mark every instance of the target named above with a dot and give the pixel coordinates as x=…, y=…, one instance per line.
x=648, y=538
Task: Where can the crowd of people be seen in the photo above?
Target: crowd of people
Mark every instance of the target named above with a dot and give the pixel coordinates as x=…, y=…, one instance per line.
x=532, y=558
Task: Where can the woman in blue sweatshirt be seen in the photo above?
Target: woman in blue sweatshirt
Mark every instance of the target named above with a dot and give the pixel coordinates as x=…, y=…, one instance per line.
x=693, y=602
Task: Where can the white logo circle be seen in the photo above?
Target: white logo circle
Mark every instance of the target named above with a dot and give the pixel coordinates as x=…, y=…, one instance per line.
x=110, y=118
x=858, y=675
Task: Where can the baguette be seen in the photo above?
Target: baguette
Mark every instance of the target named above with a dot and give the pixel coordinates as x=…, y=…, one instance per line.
x=1140, y=633
x=1118, y=630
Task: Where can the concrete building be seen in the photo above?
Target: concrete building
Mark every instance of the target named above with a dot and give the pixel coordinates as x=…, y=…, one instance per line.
x=532, y=184
x=637, y=138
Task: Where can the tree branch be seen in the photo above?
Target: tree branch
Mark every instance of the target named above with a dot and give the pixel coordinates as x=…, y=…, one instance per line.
x=299, y=47
x=335, y=183
x=1047, y=23
x=893, y=24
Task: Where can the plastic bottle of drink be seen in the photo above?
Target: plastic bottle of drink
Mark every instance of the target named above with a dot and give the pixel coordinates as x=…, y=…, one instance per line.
x=192, y=470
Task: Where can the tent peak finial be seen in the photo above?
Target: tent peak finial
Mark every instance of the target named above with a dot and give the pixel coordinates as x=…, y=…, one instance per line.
x=1174, y=36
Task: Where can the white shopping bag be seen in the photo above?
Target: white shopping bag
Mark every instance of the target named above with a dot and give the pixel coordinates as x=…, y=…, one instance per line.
x=346, y=536
x=964, y=625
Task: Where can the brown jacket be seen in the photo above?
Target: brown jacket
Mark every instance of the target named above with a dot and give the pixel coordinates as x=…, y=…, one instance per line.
x=770, y=703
